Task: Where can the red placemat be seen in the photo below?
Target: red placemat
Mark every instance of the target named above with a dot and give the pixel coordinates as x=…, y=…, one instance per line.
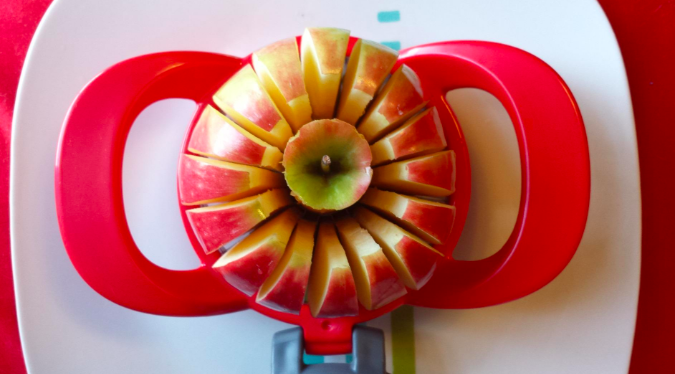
x=645, y=30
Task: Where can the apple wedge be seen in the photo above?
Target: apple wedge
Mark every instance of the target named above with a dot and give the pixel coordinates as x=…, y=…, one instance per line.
x=323, y=52
x=430, y=175
x=368, y=66
x=377, y=283
x=217, y=225
x=246, y=265
x=245, y=100
x=413, y=259
x=216, y=136
x=332, y=291
x=203, y=180
x=285, y=288
x=400, y=98
x=278, y=67
x=429, y=220
x=420, y=135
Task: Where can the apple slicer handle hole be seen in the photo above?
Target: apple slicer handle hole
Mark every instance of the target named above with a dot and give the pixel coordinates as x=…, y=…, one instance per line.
x=149, y=184
x=495, y=172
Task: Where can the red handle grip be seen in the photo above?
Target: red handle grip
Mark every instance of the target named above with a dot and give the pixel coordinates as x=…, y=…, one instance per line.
x=89, y=185
x=555, y=171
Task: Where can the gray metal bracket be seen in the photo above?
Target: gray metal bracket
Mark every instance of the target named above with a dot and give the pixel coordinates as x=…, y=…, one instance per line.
x=368, y=354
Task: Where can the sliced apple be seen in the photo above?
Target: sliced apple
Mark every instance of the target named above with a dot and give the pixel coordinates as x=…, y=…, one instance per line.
x=413, y=259
x=377, y=283
x=368, y=66
x=332, y=291
x=400, y=98
x=203, y=180
x=420, y=135
x=285, y=288
x=323, y=52
x=245, y=100
x=278, y=67
x=251, y=261
x=217, y=225
x=430, y=175
x=218, y=137
x=429, y=220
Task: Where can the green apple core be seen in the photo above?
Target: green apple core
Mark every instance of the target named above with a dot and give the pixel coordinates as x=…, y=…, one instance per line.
x=327, y=165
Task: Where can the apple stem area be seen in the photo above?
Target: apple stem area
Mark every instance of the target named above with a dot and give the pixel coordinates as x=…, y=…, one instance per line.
x=325, y=164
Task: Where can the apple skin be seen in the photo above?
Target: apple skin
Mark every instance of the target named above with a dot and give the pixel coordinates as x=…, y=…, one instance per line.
x=368, y=66
x=429, y=220
x=350, y=171
x=377, y=282
x=323, y=51
x=413, y=259
x=202, y=180
x=284, y=290
x=400, y=98
x=246, y=265
x=279, y=69
x=244, y=99
x=217, y=225
x=216, y=136
x=420, y=135
x=332, y=291
x=428, y=175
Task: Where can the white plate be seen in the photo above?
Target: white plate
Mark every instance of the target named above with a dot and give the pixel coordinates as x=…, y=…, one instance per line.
x=582, y=322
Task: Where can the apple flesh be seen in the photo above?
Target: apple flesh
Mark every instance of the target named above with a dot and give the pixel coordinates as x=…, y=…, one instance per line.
x=413, y=259
x=377, y=283
x=332, y=291
x=421, y=135
x=327, y=165
x=245, y=100
x=285, y=288
x=400, y=98
x=429, y=220
x=246, y=265
x=278, y=67
x=204, y=180
x=217, y=225
x=430, y=175
x=368, y=66
x=323, y=52
x=216, y=136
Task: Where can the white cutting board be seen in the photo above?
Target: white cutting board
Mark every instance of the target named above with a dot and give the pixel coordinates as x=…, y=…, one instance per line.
x=583, y=322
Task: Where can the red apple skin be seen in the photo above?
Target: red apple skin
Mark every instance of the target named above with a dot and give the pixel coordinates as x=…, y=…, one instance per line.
x=433, y=220
x=403, y=98
x=423, y=136
x=384, y=282
x=428, y=175
x=288, y=295
x=420, y=261
x=435, y=170
x=341, y=299
x=248, y=273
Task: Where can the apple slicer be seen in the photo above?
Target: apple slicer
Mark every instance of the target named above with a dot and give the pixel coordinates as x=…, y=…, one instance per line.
x=553, y=209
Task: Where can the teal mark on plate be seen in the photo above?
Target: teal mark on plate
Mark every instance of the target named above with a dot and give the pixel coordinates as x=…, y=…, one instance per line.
x=395, y=45
x=311, y=359
x=389, y=16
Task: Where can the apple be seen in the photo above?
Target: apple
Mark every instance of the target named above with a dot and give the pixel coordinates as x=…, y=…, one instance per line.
x=284, y=290
x=246, y=265
x=332, y=291
x=323, y=52
x=377, y=283
x=368, y=66
x=420, y=135
x=217, y=225
x=216, y=136
x=327, y=165
x=245, y=100
x=400, y=98
x=413, y=259
x=429, y=220
x=278, y=67
x=203, y=180
x=430, y=175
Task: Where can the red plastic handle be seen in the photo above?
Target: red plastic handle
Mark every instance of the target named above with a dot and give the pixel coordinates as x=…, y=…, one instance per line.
x=555, y=171
x=89, y=185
